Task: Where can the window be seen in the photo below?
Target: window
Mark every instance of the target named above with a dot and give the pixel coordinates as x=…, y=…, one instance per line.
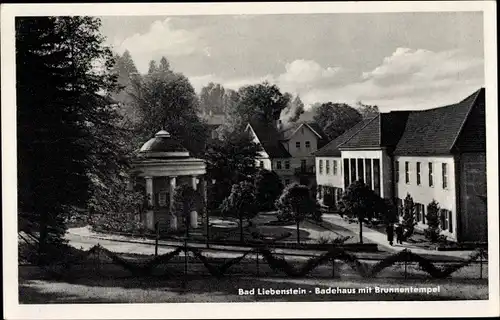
x=335, y=168
x=407, y=172
x=353, y=170
x=297, y=145
x=278, y=164
x=446, y=220
x=327, y=167
x=261, y=164
x=368, y=172
x=303, y=164
x=320, y=166
x=418, y=173
x=287, y=164
x=420, y=212
x=396, y=169
x=308, y=144
x=346, y=173
x=376, y=176
x=361, y=172
x=431, y=175
x=445, y=175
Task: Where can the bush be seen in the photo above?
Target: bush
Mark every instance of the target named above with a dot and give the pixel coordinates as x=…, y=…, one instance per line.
x=432, y=232
x=268, y=188
x=408, y=222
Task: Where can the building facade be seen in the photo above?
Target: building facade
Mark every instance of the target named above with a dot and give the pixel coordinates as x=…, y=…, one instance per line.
x=437, y=154
x=287, y=149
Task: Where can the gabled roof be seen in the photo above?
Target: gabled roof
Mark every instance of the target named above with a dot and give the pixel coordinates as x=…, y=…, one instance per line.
x=291, y=129
x=331, y=148
x=436, y=131
x=270, y=139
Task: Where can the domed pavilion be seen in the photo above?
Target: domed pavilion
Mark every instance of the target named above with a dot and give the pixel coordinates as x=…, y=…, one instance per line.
x=161, y=165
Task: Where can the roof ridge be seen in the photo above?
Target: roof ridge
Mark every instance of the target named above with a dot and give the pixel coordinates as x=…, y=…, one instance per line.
x=472, y=104
x=358, y=131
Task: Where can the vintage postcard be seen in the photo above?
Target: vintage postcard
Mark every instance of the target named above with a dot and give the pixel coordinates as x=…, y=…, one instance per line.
x=250, y=160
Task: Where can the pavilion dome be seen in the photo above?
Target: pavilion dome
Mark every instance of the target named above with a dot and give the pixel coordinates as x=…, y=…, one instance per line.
x=162, y=145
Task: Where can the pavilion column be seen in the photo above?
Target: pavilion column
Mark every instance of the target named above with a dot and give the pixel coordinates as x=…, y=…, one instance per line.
x=372, y=184
x=150, y=213
x=173, y=217
x=193, y=215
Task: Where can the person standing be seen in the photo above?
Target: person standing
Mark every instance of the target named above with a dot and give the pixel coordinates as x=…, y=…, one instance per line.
x=399, y=234
x=389, y=230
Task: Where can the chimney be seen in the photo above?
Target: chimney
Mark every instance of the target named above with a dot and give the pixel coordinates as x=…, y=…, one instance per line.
x=279, y=125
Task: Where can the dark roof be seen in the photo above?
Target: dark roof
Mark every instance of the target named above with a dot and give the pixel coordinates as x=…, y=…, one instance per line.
x=436, y=131
x=270, y=139
x=331, y=148
x=367, y=137
x=162, y=143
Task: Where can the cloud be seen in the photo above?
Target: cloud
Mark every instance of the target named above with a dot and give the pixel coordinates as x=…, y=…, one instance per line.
x=160, y=40
x=407, y=79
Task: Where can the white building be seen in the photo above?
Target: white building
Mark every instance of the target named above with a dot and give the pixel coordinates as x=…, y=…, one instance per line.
x=287, y=150
x=436, y=154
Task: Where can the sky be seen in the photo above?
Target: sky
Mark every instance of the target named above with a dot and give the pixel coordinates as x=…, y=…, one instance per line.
x=397, y=61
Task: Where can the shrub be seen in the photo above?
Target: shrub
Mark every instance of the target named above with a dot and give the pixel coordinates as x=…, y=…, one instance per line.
x=268, y=188
x=432, y=217
x=408, y=222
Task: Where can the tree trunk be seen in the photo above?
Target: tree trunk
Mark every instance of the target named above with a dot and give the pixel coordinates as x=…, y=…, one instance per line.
x=298, y=233
x=361, y=231
x=241, y=229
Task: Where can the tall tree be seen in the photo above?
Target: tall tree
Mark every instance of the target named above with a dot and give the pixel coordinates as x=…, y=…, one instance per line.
x=241, y=204
x=294, y=110
x=261, y=102
x=212, y=98
x=367, y=111
x=229, y=162
x=125, y=70
x=361, y=202
x=336, y=118
x=64, y=125
x=297, y=203
x=408, y=220
x=166, y=100
x=268, y=187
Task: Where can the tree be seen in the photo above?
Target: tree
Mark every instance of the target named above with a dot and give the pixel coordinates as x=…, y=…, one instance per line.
x=261, y=102
x=296, y=203
x=186, y=199
x=361, y=202
x=229, y=162
x=367, y=111
x=389, y=211
x=166, y=100
x=64, y=122
x=241, y=204
x=408, y=222
x=268, y=188
x=212, y=98
x=294, y=110
x=125, y=70
x=432, y=217
x=336, y=118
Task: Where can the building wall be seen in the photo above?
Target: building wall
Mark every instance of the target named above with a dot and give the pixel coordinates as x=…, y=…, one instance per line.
x=385, y=170
x=423, y=193
x=473, y=209
x=302, y=135
x=330, y=179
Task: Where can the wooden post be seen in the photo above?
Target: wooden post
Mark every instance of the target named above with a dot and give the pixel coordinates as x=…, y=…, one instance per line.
x=157, y=229
x=406, y=261
x=333, y=267
x=481, y=264
x=257, y=261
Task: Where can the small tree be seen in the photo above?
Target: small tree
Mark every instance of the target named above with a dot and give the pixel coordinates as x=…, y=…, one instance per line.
x=432, y=217
x=296, y=203
x=241, y=203
x=361, y=202
x=268, y=188
x=389, y=211
x=409, y=222
x=185, y=201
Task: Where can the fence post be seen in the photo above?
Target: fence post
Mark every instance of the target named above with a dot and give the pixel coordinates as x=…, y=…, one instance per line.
x=257, y=261
x=481, y=264
x=157, y=229
x=406, y=262
x=333, y=267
